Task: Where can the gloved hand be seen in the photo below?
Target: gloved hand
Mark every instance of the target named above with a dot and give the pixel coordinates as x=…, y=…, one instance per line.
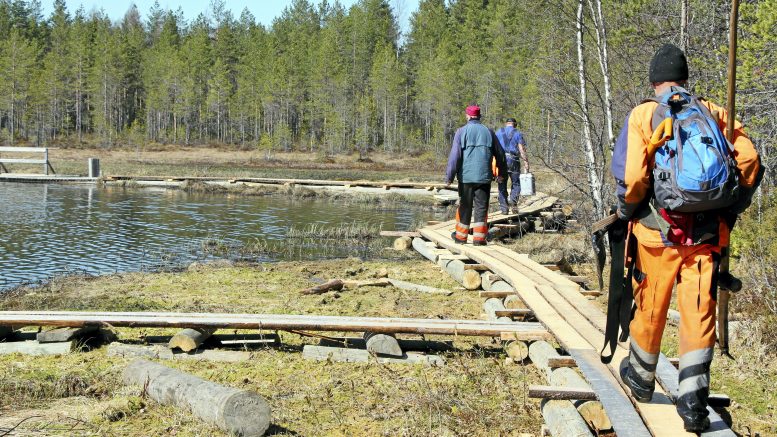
x=500, y=179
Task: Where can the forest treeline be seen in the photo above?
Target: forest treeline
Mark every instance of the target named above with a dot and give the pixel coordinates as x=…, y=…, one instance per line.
x=330, y=79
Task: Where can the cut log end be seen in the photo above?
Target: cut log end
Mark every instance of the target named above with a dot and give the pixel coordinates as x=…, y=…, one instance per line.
x=471, y=280
x=190, y=339
x=403, y=243
x=383, y=344
x=518, y=351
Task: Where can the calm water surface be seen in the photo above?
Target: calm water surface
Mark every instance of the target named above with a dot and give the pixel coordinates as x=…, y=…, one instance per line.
x=47, y=230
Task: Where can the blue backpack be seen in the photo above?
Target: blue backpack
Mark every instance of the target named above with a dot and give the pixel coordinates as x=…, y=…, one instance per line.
x=694, y=170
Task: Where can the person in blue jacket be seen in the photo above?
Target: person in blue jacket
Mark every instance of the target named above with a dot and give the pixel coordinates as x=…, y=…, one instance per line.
x=474, y=147
x=514, y=148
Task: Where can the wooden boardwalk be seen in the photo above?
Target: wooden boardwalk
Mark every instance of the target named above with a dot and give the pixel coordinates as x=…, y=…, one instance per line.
x=578, y=327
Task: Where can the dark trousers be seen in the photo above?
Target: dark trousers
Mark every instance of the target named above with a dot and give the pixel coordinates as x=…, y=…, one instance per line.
x=514, y=174
x=473, y=199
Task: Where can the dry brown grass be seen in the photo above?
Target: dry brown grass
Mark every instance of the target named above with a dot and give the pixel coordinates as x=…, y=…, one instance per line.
x=476, y=393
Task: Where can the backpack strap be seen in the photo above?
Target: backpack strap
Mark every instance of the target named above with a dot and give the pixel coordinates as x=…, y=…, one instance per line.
x=621, y=298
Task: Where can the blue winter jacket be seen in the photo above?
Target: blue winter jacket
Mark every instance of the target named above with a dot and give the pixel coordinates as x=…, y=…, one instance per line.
x=474, y=146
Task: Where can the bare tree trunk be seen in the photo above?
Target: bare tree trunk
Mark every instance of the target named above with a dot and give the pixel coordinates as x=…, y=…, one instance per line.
x=594, y=182
x=604, y=64
x=684, y=37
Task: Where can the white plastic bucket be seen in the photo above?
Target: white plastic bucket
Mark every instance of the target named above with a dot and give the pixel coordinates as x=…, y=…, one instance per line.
x=527, y=184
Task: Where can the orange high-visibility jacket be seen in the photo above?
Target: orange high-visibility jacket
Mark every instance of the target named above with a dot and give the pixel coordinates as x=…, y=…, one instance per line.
x=632, y=164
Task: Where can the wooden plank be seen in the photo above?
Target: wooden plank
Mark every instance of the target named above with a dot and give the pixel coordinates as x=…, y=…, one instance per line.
x=596, y=318
x=22, y=161
x=35, y=348
x=561, y=393
x=478, y=267
x=411, y=234
x=562, y=361
x=23, y=149
x=668, y=378
x=63, y=334
x=513, y=313
x=494, y=293
x=618, y=407
x=273, y=321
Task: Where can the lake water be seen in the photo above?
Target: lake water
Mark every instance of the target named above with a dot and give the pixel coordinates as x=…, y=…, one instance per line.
x=48, y=230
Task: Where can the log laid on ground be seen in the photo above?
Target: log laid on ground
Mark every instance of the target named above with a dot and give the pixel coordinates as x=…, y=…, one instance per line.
x=541, y=353
x=404, y=285
x=333, y=285
x=470, y=279
x=563, y=420
x=419, y=244
x=379, y=282
x=491, y=306
x=411, y=234
x=514, y=302
x=493, y=282
x=403, y=243
x=235, y=411
x=35, y=348
x=521, y=313
x=189, y=339
x=383, y=344
x=160, y=352
x=57, y=335
x=343, y=355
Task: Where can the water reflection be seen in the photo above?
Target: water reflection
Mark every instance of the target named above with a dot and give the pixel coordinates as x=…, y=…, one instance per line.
x=53, y=229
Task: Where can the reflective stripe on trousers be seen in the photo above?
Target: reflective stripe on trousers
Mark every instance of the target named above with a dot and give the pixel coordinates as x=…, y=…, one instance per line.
x=473, y=200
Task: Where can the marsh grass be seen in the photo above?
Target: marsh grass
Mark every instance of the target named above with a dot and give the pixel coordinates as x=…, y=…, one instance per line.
x=472, y=395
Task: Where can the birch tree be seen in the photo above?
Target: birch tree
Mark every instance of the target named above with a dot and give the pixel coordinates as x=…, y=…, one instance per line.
x=592, y=163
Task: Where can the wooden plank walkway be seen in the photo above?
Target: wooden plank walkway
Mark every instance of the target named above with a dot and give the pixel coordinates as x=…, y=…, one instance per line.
x=578, y=326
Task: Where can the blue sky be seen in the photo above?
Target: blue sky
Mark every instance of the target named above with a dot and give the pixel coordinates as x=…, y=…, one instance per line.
x=263, y=10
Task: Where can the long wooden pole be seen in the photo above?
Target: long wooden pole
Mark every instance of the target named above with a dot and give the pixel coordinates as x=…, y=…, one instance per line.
x=724, y=292
x=523, y=330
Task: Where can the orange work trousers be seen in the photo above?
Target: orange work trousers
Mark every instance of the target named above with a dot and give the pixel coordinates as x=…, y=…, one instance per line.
x=694, y=271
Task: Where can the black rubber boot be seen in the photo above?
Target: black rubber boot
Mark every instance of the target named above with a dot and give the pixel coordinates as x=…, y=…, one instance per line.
x=639, y=391
x=696, y=425
x=479, y=243
x=453, y=235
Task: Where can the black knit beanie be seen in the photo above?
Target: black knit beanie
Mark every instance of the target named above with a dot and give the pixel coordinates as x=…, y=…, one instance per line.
x=668, y=65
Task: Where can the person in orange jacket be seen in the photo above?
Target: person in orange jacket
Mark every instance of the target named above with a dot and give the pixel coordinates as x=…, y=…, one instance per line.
x=663, y=259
